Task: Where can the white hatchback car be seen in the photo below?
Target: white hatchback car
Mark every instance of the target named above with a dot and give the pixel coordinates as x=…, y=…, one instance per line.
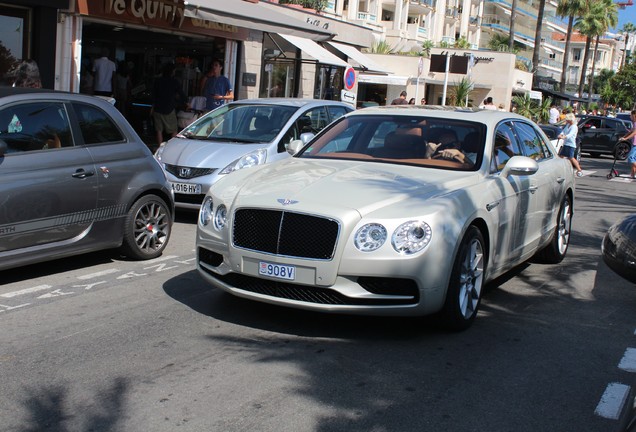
x=239, y=135
x=391, y=211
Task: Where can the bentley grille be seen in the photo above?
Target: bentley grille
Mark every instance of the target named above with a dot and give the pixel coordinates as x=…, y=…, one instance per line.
x=285, y=233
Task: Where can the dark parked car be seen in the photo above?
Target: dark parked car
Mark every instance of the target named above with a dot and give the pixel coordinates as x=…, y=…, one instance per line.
x=74, y=178
x=600, y=135
x=619, y=248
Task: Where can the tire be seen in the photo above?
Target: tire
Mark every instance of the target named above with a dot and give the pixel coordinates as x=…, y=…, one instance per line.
x=595, y=154
x=466, y=282
x=621, y=150
x=147, y=228
x=555, y=251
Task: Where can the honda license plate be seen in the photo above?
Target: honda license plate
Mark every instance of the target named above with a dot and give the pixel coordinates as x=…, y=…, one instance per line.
x=186, y=188
x=277, y=270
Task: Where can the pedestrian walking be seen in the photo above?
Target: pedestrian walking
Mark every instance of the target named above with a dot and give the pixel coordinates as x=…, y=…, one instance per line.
x=400, y=100
x=631, y=157
x=167, y=95
x=568, y=150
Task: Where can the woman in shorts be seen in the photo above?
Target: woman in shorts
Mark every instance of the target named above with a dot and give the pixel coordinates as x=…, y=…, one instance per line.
x=631, y=157
x=568, y=151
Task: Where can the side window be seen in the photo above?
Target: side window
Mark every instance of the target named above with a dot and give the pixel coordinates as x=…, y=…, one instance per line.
x=613, y=124
x=35, y=126
x=505, y=147
x=97, y=127
x=592, y=123
x=318, y=118
x=531, y=142
x=336, y=112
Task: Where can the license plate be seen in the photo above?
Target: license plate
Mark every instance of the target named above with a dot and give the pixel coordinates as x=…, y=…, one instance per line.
x=277, y=270
x=186, y=188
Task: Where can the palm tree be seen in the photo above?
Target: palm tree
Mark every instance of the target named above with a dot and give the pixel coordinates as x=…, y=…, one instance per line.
x=585, y=26
x=525, y=106
x=602, y=16
x=627, y=29
x=382, y=47
x=513, y=16
x=460, y=93
x=537, y=37
x=570, y=9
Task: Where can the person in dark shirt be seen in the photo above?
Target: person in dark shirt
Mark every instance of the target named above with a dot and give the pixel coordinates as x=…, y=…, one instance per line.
x=167, y=95
x=401, y=100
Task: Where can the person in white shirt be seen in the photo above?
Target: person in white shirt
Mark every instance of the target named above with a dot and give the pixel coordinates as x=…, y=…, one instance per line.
x=489, y=104
x=554, y=115
x=104, y=70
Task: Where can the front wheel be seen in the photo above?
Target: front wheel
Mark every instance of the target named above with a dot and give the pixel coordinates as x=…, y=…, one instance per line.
x=147, y=228
x=622, y=150
x=555, y=251
x=466, y=282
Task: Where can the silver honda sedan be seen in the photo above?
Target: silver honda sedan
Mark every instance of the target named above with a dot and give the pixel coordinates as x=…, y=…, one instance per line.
x=239, y=135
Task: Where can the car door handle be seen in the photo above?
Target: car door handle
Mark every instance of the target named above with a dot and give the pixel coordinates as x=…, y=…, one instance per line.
x=560, y=180
x=81, y=173
x=533, y=189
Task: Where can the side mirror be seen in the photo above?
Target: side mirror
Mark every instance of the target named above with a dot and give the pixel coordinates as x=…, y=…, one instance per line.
x=295, y=146
x=520, y=166
x=306, y=137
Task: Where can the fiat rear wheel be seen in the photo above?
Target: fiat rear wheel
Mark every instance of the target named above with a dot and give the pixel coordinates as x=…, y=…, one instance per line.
x=147, y=228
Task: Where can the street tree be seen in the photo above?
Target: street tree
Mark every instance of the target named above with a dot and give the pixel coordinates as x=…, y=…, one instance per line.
x=571, y=9
x=513, y=17
x=627, y=30
x=537, y=37
x=603, y=15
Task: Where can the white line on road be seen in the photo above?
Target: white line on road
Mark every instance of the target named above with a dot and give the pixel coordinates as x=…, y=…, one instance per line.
x=612, y=401
x=98, y=274
x=628, y=362
x=26, y=291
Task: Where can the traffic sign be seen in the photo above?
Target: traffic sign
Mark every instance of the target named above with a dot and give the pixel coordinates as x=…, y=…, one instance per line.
x=349, y=78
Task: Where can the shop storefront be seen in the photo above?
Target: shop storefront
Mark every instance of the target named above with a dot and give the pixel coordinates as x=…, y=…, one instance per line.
x=27, y=28
x=143, y=35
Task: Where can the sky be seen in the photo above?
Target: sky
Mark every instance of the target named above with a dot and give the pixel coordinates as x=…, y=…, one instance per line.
x=626, y=15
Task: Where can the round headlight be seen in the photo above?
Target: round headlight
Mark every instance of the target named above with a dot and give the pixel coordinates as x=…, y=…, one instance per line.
x=205, y=213
x=411, y=237
x=370, y=237
x=220, y=217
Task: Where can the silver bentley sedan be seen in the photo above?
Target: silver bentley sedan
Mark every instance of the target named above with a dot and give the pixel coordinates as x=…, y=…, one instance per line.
x=391, y=211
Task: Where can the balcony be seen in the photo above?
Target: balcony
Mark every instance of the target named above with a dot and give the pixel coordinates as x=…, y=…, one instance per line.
x=366, y=16
x=448, y=40
x=416, y=32
x=474, y=21
x=429, y=4
x=452, y=13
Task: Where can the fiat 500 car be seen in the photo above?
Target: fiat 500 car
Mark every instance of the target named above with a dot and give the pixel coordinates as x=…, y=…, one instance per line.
x=239, y=135
x=75, y=178
x=391, y=211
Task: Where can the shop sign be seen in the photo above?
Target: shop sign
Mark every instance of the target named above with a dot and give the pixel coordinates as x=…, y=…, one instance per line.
x=159, y=14
x=249, y=79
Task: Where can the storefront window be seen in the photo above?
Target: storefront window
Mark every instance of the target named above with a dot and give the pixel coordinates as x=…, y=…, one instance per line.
x=279, y=68
x=328, y=82
x=13, y=37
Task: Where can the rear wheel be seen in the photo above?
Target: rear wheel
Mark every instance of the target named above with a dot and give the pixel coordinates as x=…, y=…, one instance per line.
x=147, y=228
x=466, y=282
x=621, y=150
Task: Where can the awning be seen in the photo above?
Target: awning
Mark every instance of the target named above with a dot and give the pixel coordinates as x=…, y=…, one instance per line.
x=253, y=16
x=400, y=80
x=563, y=96
x=314, y=50
x=363, y=60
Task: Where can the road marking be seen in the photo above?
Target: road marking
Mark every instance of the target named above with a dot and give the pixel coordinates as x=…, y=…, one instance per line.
x=98, y=274
x=622, y=179
x=628, y=362
x=612, y=401
x=163, y=258
x=8, y=308
x=26, y=291
x=130, y=274
x=88, y=286
x=56, y=293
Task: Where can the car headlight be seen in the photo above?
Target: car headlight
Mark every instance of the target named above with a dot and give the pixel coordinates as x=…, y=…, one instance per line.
x=205, y=213
x=220, y=217
x=159, y=151
x=254, y=158
x=411, y=237
x=370, y=237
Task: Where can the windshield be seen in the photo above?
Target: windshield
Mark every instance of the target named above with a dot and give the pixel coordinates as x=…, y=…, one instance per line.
x=241, y=123
x=426, y=141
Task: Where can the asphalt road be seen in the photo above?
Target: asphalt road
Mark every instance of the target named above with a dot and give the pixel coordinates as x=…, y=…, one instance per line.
x=98, y=343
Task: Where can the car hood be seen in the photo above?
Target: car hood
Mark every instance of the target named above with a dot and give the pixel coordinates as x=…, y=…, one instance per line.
x=205, y=154
x=321, y=185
